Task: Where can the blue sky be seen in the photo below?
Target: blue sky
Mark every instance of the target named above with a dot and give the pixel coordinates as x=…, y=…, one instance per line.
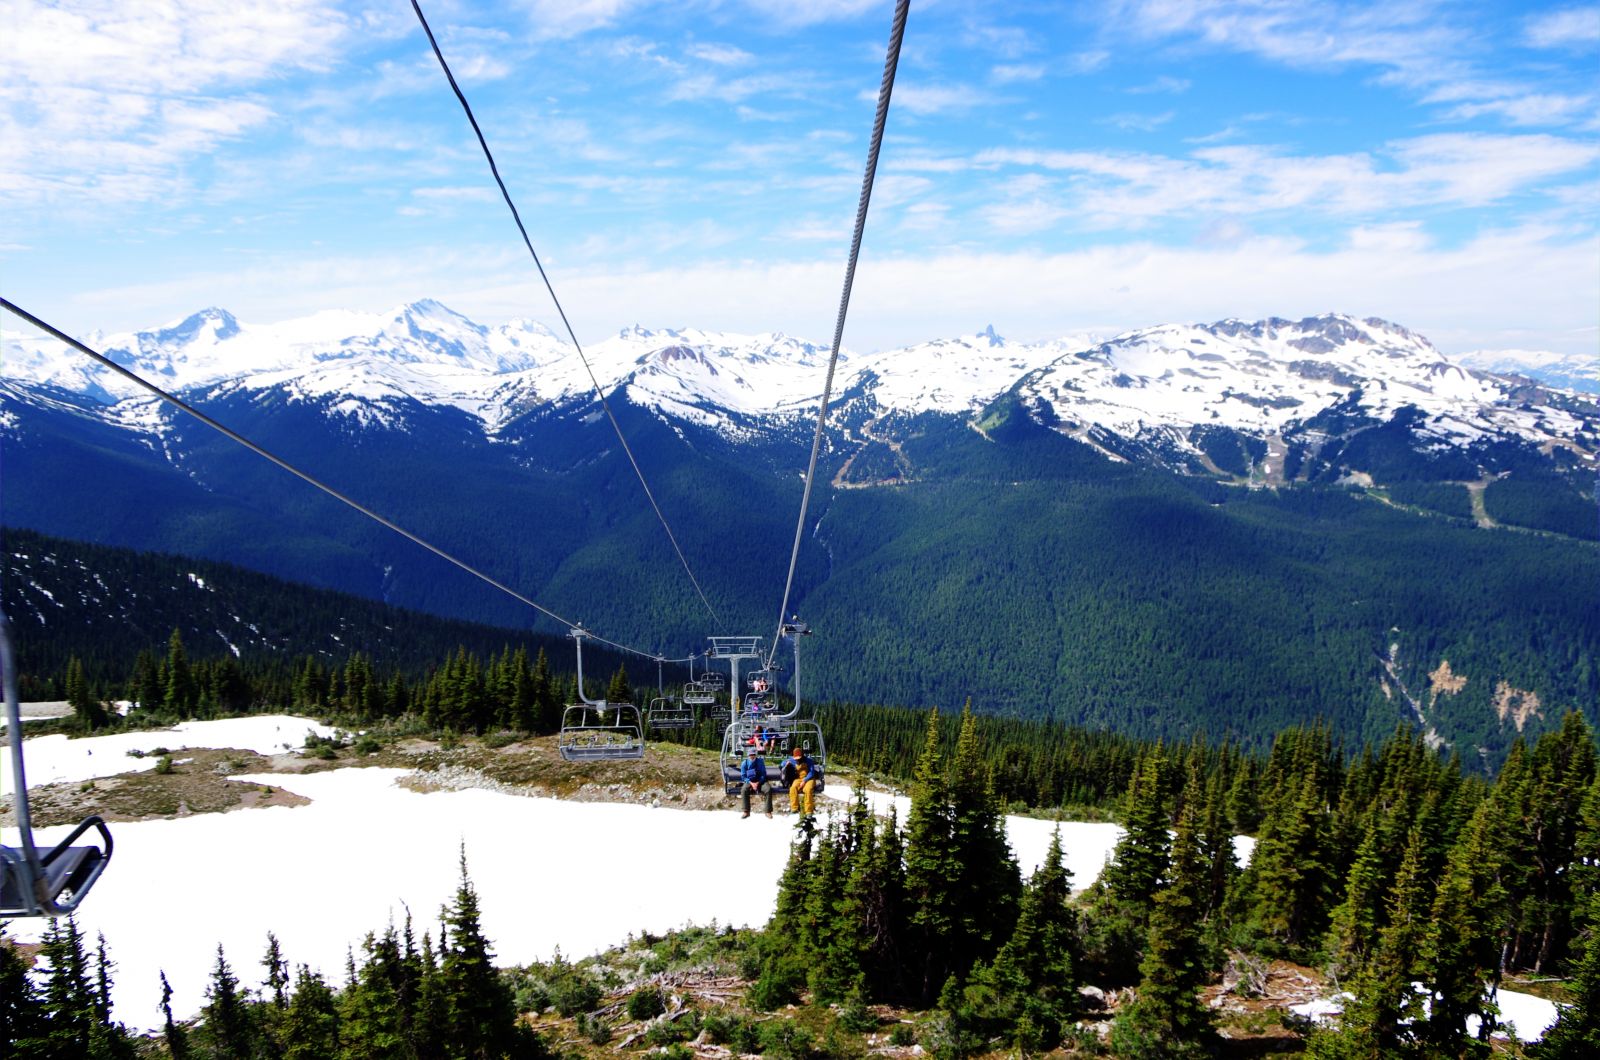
x=1051, y=169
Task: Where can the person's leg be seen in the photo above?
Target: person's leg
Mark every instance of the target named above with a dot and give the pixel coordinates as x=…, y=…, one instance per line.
x=794, y=797
x=769, y=799
x=744, y=796
x=810, y=789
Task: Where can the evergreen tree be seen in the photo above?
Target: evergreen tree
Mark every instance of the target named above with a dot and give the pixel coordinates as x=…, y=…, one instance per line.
x=181, y=696
x=310, y=1028
x=22, y=1014
x=1576, y=1035
x=176, y=1037
x=87, y=710
x=619, y=691
x=1462, y=952
x=931, y=872
x=1168, y=1019
x=145, y=687
x=481, y=1018
x=225, y=1030
x=1117, y=919
x=547, y=704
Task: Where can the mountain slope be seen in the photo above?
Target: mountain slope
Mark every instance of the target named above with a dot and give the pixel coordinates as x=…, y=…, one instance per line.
x=1053, y=529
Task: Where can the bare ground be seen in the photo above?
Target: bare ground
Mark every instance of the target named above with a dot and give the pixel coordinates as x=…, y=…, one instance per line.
x=200, y=780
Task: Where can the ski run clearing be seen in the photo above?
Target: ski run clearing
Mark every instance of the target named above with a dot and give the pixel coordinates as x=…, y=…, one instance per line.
x=550, y=874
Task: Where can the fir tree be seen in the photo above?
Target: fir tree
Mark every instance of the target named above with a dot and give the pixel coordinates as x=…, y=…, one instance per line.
x=931, y=872
x=619, y=691
x=87, y=710
x=481, y=1016
x=1462, y=953
x=22, y=1014
x=1576, y=1035
x=181, y=696
x=1168, y=1019
x=310, y=1028
x=225, y=1029
x=173, y=1033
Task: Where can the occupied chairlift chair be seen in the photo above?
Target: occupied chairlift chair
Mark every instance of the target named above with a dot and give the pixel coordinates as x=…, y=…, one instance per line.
x=775, y=735
x=586, y=735
x=53, y=883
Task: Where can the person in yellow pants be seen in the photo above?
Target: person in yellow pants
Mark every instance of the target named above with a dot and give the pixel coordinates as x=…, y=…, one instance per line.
x=802, y=775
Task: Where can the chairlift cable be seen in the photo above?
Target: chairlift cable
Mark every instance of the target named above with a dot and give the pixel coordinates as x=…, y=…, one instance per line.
x=305, y=476
x=885, y=90
x=528, y=242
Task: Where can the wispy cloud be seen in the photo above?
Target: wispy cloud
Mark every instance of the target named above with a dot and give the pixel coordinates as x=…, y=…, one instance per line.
x=934, y=99
x=1164, y=83
x=1138, y=122
x=1459, y=170
x=719, y=54
x=1007, y=73
x=1575, y=27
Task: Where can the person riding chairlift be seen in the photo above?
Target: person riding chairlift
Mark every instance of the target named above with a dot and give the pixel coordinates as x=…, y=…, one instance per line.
x=801, y=775
x=753, y=777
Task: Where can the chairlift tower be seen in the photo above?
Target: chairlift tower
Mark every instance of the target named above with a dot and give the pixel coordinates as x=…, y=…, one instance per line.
x=735, y=650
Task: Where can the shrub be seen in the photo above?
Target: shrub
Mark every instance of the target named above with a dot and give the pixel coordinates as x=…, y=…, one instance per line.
x=164, y=765
x=732, y=1030
x=646, y=1003
x=903, y=1036
x=368, y=744
x=597, y=1030
x=780, y=984
x=574, y=993
x=497, y=740
x=785, y=1040
x=668, y=1031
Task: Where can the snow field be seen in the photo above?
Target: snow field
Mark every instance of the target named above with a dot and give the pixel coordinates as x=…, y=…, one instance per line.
x=57, y=759
x=1526, y=1015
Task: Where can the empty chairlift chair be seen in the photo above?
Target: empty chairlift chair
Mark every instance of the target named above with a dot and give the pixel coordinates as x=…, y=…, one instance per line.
x=55, y=882
x=668, y=713
x=594, y=730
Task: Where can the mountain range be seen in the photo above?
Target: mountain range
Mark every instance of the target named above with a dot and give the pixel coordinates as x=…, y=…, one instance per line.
x=1204, y=525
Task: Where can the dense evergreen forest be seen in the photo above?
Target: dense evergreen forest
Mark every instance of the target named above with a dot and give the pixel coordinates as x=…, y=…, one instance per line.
x=1416, y=889
x=1174, y=651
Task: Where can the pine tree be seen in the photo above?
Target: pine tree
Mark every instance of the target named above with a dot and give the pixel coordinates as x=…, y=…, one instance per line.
x=310, y=1029
x=1118, y=916
x=22, y=1013
x=1356, y=921
x=1168, y=1019
x=619, y=691
x=226, y=1028
x=931, y=872
x=547, y=704
x=181, y=695
x=1576, y=1035
x=68, y=996
x=145, y=687
x=987, y=882
x=87, y=710
x=1034, y=978
x=1462, y=952
x=173, y=1033
x=481, y=1016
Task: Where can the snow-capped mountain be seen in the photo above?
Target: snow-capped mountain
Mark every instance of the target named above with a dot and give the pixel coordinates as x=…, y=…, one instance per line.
x=1157, y=390
x=1575, y=372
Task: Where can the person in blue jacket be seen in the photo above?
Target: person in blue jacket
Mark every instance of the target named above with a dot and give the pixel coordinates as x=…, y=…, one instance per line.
x=753, y=772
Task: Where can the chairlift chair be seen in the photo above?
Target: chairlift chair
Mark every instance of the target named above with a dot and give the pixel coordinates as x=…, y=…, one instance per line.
x=671, y=714
x=782, y=735
x=55, y=882
x=588, y=734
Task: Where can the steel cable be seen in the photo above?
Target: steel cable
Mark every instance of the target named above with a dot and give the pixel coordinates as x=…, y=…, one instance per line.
x=885, y=89
x=305, y=476
x=528, y=242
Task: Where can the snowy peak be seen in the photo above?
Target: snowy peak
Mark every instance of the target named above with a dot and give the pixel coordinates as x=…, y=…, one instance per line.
x=1156, y=387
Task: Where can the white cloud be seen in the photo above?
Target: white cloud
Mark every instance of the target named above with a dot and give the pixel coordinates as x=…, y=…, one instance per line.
x=932, y=99
x=110, y=101
x=1008, y=73
x=562, y=19
x=1164, y=83
x=1130, y=122
x=1574, y=27
x=719, y=54
x=811, y=12
x=1435, y=49
x=1449, y=169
